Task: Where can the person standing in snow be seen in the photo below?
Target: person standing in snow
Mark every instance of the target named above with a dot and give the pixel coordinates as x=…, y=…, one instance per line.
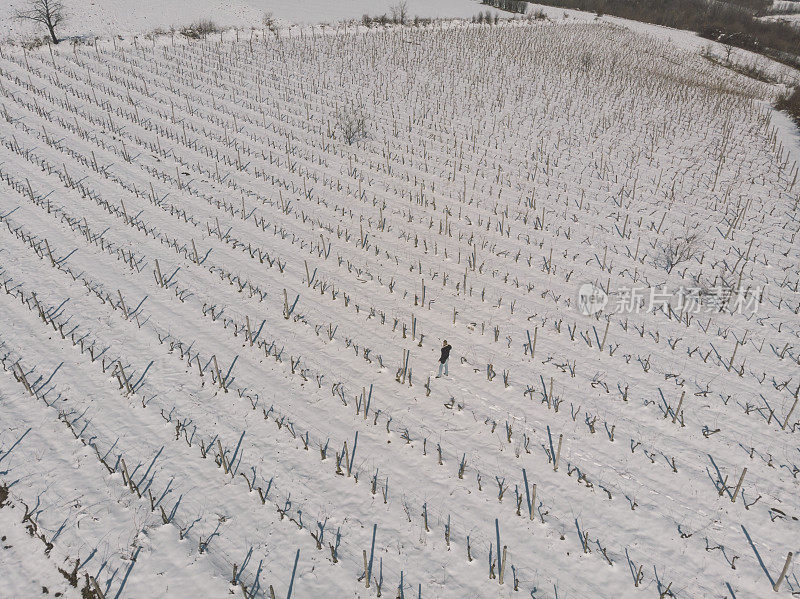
x=444, y=358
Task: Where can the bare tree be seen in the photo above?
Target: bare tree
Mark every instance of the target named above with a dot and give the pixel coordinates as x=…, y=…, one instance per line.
x=49, y=13
x=400, y=13
x=728, y=50
x=269, y=22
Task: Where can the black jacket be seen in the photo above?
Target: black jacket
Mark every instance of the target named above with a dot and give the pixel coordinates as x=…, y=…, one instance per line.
x=445, y=353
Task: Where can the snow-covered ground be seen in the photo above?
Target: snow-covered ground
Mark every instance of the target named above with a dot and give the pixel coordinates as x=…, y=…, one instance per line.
x=106, y=17
x=222, y=318
x=791, y=18
x=787, y=11
x=786, y=5
x=25, y=569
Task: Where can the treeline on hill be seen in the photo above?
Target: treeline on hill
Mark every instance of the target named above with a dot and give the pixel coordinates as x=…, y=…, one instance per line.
x=515, y=6
x=733, y=22
x=791, y=104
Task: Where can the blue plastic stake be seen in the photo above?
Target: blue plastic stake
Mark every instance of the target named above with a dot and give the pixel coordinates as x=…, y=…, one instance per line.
x=371, y=553
x=497, y=528
x=527, y=493
x=294, y=570
x=353, y=455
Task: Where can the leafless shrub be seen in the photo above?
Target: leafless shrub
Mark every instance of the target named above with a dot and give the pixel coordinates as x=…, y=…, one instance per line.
x=36, y=42
x=157, y=32
x=49, y=13
x=200, y=29
x=369, y=21
x=352, y=124
x=680, y=248
x=269, y=22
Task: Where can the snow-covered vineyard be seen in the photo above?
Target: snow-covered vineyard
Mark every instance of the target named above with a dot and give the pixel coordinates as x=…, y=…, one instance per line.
x=228, y=266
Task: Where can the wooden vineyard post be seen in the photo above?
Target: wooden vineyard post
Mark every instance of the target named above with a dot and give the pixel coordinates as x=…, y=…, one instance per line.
x=778, y=582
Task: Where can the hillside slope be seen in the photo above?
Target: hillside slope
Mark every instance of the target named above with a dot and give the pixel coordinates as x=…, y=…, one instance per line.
x=227, y=268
